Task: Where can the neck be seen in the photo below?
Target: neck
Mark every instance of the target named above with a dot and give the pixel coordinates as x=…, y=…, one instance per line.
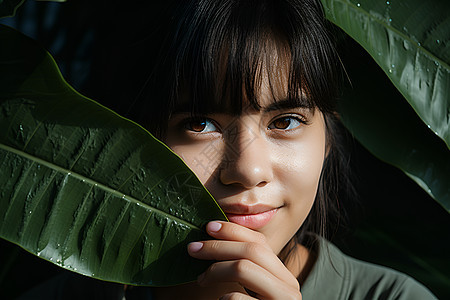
x=299, y=261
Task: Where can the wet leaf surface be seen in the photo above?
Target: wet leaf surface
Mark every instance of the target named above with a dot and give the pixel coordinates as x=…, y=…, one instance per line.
x=410, y=42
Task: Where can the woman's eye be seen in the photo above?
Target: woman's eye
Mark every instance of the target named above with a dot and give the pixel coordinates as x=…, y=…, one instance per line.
x=286, y=123
x=200, y=125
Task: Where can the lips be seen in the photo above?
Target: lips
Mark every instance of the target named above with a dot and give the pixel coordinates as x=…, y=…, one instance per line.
x=253, y=217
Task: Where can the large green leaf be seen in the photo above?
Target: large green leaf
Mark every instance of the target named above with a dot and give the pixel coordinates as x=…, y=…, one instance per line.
x=87, y=189
x=384, y=123
x=409, y=40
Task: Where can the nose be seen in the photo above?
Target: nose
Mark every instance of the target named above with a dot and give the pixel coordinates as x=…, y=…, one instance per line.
x=247, y=160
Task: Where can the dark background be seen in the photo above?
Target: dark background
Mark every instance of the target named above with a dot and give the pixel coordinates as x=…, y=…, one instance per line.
x=391, y=220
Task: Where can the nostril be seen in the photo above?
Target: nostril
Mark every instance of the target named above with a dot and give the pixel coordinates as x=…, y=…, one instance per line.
x=261, y=184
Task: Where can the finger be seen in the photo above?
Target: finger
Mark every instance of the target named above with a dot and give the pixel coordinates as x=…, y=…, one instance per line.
x=234, y=232
x=230, y=250
x=250, y=276
x=236, y=296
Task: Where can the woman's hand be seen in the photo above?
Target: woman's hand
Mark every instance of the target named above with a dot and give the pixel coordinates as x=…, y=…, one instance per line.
x=243, y=256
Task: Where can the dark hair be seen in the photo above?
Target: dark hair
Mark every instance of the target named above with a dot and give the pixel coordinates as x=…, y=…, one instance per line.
x=210, y=51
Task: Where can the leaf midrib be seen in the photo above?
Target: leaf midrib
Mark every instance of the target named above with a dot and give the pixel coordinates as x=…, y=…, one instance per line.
x=95, y=183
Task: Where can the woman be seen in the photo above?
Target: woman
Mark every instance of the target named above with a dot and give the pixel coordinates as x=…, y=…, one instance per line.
x=249, y=90
x=244, y=92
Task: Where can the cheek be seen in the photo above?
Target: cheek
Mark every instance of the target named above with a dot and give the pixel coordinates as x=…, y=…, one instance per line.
x=303, y=166
x=301, y=181
x=298, y=179
x=202, y=158
x=299, y=175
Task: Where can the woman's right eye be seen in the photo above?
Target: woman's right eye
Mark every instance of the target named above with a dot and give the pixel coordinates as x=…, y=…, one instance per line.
x=200, y=125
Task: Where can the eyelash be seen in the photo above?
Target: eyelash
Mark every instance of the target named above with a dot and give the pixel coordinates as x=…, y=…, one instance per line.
x=300, y=119
x=187, y=124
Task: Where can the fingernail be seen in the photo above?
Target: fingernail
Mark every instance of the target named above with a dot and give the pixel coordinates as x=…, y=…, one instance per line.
x=195, y=246
x=214, y=226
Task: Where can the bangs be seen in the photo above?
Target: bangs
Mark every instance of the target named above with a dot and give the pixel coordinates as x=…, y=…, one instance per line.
x=221, y=51
x=230, y=77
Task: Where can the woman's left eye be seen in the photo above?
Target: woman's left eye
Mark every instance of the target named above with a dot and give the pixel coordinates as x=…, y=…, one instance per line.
x=286, y=123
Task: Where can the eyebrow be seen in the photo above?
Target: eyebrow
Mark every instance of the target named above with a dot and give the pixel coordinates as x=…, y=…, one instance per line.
x=287, y=104
x=276, y=105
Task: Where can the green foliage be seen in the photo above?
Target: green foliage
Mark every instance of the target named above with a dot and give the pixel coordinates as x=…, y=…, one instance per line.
x=409, y=40
x=87, y=189
x=398, y=224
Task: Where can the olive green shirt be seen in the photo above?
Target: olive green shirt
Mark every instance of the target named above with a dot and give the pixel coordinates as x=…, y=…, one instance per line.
x=338, y=276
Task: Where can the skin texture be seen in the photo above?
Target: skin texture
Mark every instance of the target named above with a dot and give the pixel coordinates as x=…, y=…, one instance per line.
x=263, y=168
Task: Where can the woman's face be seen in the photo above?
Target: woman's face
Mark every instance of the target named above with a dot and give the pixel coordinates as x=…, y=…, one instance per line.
x=262, y=166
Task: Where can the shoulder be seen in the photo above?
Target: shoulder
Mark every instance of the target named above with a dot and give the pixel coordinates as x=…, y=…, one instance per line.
x=377, y=282
x=338, y=276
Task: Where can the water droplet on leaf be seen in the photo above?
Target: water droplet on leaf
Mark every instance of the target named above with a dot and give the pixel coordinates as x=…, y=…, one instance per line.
x=405, y=45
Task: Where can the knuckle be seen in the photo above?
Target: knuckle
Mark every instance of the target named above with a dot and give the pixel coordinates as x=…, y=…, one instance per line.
x=233, y=296
x=252, y=248
x=233, y=230
x=211, y=269
x=237, y=296
x=297, y=285
x=241, y=266
x=213, y=245
x=255, y=250
x=261, y=238
x=294, y=284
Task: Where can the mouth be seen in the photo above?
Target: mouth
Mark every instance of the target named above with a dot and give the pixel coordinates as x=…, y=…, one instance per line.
x=252, y=220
